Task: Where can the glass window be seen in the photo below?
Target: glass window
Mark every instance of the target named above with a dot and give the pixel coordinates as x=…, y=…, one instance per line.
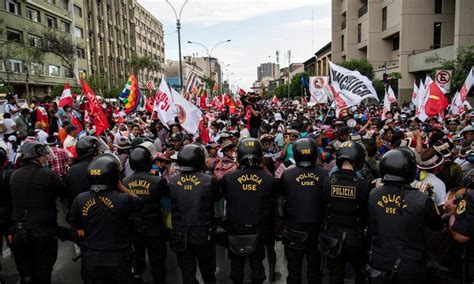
x=13, y=7
x=396, y=43
x=65, y=27
x=51, y=21
x=359, y=32
x=68, y=72
x=65, y=4
x=438, y=6
x=78, y=32
x=384, y=18
x=34, y=40
x=53, y=70
x=77, y=11
x=80, y=53
x=437, y=35
x=82, y=74
x=37, y=69
x=16, y=66
x=33, y=14
x=342, y=42
x=14, y=35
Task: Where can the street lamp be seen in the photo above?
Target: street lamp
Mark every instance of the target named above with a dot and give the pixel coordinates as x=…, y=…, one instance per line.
x=207, y=50
x=178, y=27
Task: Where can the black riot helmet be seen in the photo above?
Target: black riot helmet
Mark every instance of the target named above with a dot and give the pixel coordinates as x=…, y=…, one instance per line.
x=350, y=151
x=305, y=152
x=249, y=152
x=398, y=165
x=191, y=158
x=32, y=150
x=103, y=172
x=87, y=146
x=142, y=156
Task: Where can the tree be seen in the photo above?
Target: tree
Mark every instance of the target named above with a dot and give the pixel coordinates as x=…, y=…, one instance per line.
x=281, y=91
x=146, y=65
x=98, y=83
x=57, y=90
x=362, y=65
x=461, y=66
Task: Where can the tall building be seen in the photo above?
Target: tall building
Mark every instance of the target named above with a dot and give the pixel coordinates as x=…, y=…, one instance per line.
x=23, y=23
x=198, y=65
x=270, y=70
x=405, y=36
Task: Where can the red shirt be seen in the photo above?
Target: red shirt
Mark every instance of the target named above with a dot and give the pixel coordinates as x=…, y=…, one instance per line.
x=60, y=162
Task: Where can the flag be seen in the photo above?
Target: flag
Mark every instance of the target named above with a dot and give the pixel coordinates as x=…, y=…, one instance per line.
x=275, y=101
x=216, y=87
x=192, y=82
x=203, y=100
x=148, y=104
x=317, y=89
x=466, y=86
x=66, y=97
x=414, y=95
x=75, y=120
x=388, y=100
x=342, y=101
x=98, y=115
x=204, y=132
x=42, y=116
x=188, y=114
x=305, y=84
x=241, y=92
x=437, y=101
x=457, y=105
x=164, y=106
x=150, y=85
x=130, y=95
x=423, y=96
x=351, y=84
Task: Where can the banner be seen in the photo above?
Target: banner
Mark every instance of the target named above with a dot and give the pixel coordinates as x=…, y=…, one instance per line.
x=351, y=83
x=317, y=89
x=100, y=119
x=164, y=106
x=188, y=114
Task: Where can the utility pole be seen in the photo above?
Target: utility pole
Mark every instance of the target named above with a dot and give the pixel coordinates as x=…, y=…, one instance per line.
x=289, y=60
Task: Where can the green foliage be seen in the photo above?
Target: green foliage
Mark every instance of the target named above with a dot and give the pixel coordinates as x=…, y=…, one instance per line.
x=362, y=65
x=461, y=66
x=281, y=91
x=57, y=90
x=379, y=88
x=98, y=83
x=394, y=75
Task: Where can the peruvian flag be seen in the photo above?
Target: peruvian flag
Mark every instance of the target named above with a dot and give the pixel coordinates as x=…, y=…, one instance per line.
x=75, y=120
x=42, y=116
x=99, y=117
x=457, y=105
x=216, y=87
x=275, y=101
x=148, y=104
x=437, y=101
x=66, y=97
x=468, y=83
x=388, y=100
x=203, y=100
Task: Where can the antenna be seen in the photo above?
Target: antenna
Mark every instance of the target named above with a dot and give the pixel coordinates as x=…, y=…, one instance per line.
x=278, y=56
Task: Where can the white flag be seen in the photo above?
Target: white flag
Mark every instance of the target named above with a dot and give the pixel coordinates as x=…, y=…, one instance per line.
x=388, y=100
x=414, y=96
x=457, y=105
x=188, y=114
x=163, y=105
x=424, y=96
x=317, y=89
x=351, y=84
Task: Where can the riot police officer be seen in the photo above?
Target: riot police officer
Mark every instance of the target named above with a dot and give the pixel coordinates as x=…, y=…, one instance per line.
x=101, y=217
x=34, y=189
x=149, y=231
x=302, y=191
x=87, y=148
x=5, y=200
x=343, y=238
x=250, y=195
x=192, y=194
x=399, y=216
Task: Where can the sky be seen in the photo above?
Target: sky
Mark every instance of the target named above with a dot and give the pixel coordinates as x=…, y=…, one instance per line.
x=256, y=28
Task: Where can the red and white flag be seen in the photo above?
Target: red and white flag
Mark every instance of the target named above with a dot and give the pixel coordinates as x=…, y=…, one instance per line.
x=468, y=83
x=188, y=114
x=275, y=101
x=42, y=116
x=457, y=105
x=343, y=101
x=414, y=96
x=150, y=85
x=66, y=97
x=216, y=87
x=100, y=119
x=388, y=100
x=164, y=105
x=423, y=96
x=437, y=101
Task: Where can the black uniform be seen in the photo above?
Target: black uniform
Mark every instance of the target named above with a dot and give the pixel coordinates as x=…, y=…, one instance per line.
x=76, y=179
x=192, y=197
x=464, y=225
x=398, y=218
x=149, y=232
x=104, y=219
x=346, y=219
x=5, y=205
x=34, y=190
x=250, y=195
x=302, y=191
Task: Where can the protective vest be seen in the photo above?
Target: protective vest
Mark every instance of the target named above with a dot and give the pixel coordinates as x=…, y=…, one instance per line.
x=397, y=223
x=149, y=189
x=249, y=196
x=303, y=190
x=191, y=199
x=346, y=198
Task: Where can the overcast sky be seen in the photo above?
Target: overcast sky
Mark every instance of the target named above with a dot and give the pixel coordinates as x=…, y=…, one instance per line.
x=257, y=29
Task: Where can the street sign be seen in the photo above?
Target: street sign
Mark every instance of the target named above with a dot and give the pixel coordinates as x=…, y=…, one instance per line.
x=443, y=79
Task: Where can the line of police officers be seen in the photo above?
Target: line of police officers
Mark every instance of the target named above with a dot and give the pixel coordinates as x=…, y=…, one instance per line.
x=330, y=220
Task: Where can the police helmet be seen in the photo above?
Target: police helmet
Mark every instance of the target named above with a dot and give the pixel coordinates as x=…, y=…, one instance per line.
x=87, y=146
x=398, y=165
x=33, y=150
x=142, y=156
x=191, y=158
x=350, y=151
x=103, y=172
x=305, y=152
x=176, y=137
x=249, y=152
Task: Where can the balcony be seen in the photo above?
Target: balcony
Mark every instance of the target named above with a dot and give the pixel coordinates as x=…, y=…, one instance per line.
x=363, y=10
x=343, y=24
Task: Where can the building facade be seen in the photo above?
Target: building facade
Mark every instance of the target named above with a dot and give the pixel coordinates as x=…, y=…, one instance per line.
x=270, y=70
x=198, y=65
x=323, y=56
x=405, y=36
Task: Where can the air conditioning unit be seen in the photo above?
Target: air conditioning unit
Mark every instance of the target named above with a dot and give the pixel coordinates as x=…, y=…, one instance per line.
x=101, y=34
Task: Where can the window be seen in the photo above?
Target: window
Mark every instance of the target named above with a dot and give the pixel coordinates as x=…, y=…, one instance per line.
x=77, y=11
x=37, y=69
x=80, y=53
x=65, y=4
x=16, y=66
x=384, y=18
x=65, y=27
x=51, y=21
x=33, y=14
x=13, y=7
x=82, y=74
x=437, y=35
x=396, y=43
x=34, y=40
x=78, y=32
x=342, y=42
x=359, y=32
x=438, y=6
x=14, y=35
x=53, y=71
x=68, y=72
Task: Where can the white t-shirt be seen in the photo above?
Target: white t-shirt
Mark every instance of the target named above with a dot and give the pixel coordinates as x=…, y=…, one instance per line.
x=9, y=124
x=439, y=188
x=42, y=135
x=9, y=107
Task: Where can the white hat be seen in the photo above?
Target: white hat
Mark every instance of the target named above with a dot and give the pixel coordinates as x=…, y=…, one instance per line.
x=12, y=138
